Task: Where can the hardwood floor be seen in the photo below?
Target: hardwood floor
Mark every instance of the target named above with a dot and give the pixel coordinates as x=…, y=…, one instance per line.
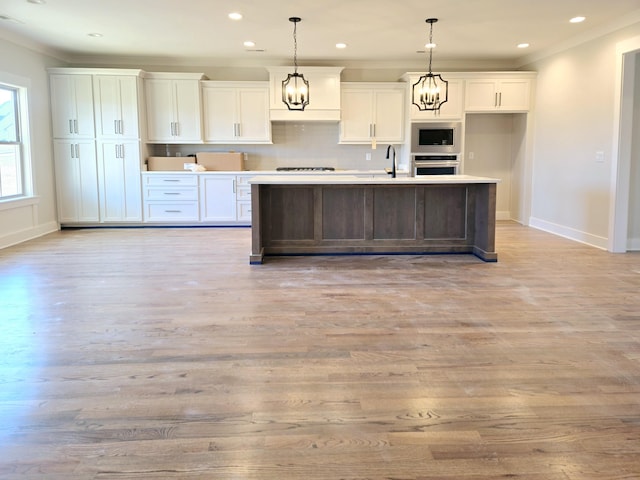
x=162, y=354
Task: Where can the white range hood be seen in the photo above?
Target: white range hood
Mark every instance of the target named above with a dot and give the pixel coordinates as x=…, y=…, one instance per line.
x=324, y=94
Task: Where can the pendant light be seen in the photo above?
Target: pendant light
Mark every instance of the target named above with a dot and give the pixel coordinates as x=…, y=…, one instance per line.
x=430, y=91
x=295, y=89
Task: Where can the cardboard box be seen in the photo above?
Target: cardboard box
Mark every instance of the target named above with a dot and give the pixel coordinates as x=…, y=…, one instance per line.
x=171, y=164
x=230, y=161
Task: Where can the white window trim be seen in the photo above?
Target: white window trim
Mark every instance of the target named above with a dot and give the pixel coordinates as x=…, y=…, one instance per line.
x=23, y=85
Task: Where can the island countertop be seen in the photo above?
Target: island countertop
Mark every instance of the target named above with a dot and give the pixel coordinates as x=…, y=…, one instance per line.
x=321, y=179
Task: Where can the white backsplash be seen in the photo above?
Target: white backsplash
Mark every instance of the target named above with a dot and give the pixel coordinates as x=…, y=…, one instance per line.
x=304, y=144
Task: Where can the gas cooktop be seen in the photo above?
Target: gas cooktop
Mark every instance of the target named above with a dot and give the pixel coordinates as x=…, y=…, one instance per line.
x=305, y=169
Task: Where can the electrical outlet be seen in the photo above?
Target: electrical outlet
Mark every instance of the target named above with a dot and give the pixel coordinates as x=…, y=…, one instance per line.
x=470, y=155
x=367, y=156
x=599, y=156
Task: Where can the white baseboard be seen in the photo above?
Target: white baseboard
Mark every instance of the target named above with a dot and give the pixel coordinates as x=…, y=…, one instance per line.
x=503, y=215
x=570, y=233
x=28, y=234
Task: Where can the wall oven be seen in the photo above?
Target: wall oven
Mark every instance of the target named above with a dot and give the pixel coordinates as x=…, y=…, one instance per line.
x=436, y=138
x=435, y=164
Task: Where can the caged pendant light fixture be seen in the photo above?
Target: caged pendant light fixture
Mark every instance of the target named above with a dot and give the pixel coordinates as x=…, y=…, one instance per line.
x=295, y=89
x=430, y=91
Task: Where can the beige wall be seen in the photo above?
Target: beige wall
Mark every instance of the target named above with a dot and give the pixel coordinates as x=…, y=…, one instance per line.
x=24, y=220
x=574, y=118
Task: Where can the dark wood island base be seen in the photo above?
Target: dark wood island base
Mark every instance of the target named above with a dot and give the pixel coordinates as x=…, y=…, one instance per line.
x=315, y=215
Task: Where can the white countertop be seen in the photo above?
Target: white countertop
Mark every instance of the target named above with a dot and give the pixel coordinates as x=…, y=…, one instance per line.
x=323, y=179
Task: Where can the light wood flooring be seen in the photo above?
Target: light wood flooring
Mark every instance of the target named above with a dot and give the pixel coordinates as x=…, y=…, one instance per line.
x=162, y=354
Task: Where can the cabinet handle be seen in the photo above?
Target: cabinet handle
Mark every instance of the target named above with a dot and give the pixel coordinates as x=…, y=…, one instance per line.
x=500, y=100
x=120, y=127
x=77, y=151
x=73, y=152
x=373, y=128
x=170, y=180
x=177, y=128
x=70, y=126
x=234, y=185
x=173, y=211
x=75, y=126
x=171, y=193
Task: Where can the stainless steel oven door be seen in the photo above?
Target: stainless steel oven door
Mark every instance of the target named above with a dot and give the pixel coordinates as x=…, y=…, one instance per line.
x=436, y=165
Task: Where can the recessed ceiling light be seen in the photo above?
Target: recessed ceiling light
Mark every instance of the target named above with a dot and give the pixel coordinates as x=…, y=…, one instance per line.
x=95, y=35
x=577, y=19
x=430, y=45
x=235, y=16
x=523, y=45
x=249, y=43
x=37, y=2
x=341, y=45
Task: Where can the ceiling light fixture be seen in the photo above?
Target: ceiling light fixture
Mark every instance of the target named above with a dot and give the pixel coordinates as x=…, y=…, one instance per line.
x=341, y=45
x=235, y=16
x=430, y=91
x=249, y=43
x=95, y=35
x=295, y=89
x=37, y=2
x=523, y=45
x=577, y=19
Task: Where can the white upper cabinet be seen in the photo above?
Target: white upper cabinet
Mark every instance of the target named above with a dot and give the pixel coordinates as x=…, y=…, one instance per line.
x=236, y=112
x=324, y=94
x=372, y=111
x=173, y=108
x=506, y=94
x=72, y=106
x=116, y=104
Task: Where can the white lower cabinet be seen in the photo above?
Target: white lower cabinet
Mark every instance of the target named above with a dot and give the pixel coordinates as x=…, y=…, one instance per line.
x=218, y=198
x=119, y=181
x=76, y=181
x=170, y=198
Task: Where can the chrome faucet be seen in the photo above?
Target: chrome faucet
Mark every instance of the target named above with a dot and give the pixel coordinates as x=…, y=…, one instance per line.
x=394, y=167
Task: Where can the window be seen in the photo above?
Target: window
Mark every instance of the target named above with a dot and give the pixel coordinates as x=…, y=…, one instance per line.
x=12, y=181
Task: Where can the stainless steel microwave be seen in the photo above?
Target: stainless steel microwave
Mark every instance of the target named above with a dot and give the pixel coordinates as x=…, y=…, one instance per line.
x=436, y=137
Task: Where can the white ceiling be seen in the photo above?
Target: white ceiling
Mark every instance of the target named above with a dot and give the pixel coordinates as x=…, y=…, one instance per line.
x=199, y=32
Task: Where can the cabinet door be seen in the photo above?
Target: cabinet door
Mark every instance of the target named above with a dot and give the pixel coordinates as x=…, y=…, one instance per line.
x=119, y=181
x=116, y=106
x=218, y=198
x=481, y=95
x=188, y=120
x=514, y=94
x=452, y=108
x=253, y=115
x=219, y=114
x=160, y=114
x=72, y=106
x=76, y=181
x=388, y=122
x=356, y=123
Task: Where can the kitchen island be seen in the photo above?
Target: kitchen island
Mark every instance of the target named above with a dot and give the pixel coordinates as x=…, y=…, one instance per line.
x=343, y=214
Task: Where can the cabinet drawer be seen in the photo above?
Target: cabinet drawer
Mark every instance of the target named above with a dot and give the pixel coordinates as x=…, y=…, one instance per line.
x=243, y=192
x=244, y=211
x=166, y=211
x=171, y=194
x=170, y=180
x=243, y=179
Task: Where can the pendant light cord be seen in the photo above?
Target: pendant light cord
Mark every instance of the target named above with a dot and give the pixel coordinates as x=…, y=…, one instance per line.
x=295, y=48
x=430, y=43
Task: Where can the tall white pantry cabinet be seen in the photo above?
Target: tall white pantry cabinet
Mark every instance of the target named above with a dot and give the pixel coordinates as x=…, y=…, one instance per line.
x=97, y=144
